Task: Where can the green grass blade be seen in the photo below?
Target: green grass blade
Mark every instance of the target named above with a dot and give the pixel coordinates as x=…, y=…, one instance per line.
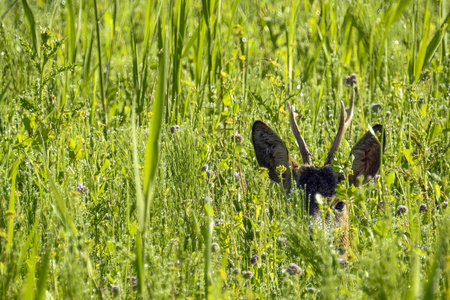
x=178, y=23
x=148, y=21
x=206, y=9
x=64, y=215
x=208, y=236
x=11, y=206
x=27, y=245
x=93, y=102
x=100, y=70
x=88, y=59
x=32, y=24
x=191, y=42
x=313, y=59
x=135, y=66
x=140, y=202
x=439, y=264
x=436, y=40
x=420, y=60
x=5, y=89
x=8, y=10
x=152, y=147
x=139, y=264
x=151, y=19
x=90, y=271
x=28, y=287
x=394, y=12
x=71, y=32
x=43, y=274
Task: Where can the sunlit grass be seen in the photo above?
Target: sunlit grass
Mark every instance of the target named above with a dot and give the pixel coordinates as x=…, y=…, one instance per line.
x=126, y=164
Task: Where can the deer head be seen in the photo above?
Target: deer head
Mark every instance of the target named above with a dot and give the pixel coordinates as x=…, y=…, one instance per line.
x=271, y=152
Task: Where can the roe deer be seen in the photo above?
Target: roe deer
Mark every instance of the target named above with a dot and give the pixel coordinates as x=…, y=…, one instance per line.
x=271, y=152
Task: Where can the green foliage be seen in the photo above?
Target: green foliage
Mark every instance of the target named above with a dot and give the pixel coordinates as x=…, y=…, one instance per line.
x=154, y=191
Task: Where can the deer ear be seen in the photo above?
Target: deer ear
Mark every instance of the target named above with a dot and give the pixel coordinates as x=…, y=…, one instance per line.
x=367, y=153
x=271, y=152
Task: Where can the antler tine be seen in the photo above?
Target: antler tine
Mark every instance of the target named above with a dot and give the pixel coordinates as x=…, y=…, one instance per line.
x=306, y=155
x=343, y=124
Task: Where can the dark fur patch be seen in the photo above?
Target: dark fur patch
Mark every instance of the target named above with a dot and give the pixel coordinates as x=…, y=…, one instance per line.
x=318, y=180
x=271, y=152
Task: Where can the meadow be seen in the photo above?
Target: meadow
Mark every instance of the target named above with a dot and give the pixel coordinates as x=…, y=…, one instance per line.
x=127, y=168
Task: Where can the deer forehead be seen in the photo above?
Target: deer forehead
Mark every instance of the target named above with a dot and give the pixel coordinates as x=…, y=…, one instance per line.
x=318, y=180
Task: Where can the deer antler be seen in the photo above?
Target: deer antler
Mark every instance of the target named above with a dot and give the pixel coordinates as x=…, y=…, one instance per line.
x=343, y=124
x=306, y=156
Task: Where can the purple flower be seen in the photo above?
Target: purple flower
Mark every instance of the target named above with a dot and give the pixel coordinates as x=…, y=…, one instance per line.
x=82, y=188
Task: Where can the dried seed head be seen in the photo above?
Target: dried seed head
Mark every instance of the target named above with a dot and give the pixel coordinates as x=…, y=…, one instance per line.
x=237, y=138
x=236, y=271
x=204, y=168
x=215, y=247
x=263, y=255
x=134, y=282
x=247, y=274
x=293, y=270
x=423, y=207
x=174, y=128
x=132, y=279
x=254, y=259
x=351, y=79
x=402, y=210
x=282, y=242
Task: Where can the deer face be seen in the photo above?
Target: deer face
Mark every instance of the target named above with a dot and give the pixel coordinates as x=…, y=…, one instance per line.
x=271, y=152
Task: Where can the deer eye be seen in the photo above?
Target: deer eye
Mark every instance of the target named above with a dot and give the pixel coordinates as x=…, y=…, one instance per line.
x=340, y=206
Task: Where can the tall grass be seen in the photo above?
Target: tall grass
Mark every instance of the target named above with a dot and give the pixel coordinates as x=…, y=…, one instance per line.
x=127, y=169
